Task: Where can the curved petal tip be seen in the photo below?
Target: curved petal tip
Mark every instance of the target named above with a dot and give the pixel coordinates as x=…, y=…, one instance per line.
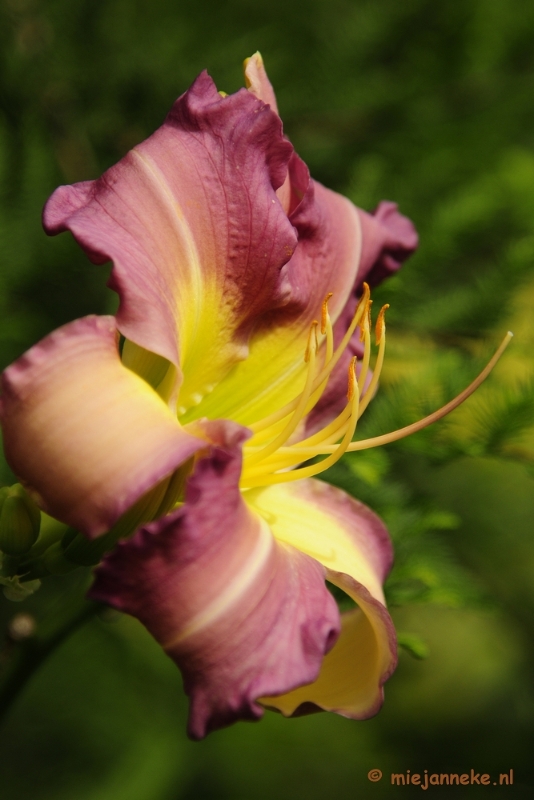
x=352, y=544
x=86, y=435
x=389, y=238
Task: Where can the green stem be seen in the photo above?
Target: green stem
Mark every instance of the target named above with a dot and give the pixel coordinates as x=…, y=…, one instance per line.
x=27, y=656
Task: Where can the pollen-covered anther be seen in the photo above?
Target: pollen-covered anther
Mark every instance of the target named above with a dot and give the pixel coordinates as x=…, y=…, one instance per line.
x=365, y=324
x=268, y=465
x=280, y=458
x=325, y=317
x=353, y=381
x=380, y=333
x=303, y=449
x=380, y=328
x=315, y=382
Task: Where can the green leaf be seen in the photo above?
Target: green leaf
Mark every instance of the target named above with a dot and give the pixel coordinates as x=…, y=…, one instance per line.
x=413, y=645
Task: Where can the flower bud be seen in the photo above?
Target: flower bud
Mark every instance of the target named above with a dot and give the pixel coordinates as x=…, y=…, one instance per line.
x=20, y=520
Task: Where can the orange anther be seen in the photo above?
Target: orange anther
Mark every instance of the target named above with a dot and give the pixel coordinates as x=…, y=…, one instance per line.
x=381, y=323
x=324, y=312
x=353, y=382
x=364, y=299
x=365, y=324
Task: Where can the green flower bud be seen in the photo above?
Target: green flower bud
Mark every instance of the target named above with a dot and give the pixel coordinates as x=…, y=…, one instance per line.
x=20, y=520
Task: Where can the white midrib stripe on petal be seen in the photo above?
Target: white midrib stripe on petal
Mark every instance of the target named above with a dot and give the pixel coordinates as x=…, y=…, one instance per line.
x=182, y=232
x=231, y=594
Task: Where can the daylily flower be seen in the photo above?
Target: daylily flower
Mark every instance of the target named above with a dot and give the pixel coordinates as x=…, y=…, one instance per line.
x=192, y=428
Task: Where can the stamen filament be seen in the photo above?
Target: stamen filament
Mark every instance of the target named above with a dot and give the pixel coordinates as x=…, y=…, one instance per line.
x=332, y=432
x=313, y=342
x=325, y=372
x=381, y=342
x=441, y=412
x=324, y=312
x=365, y=444
x=249, y=481
x=290, y=456
x=326, y=328
x=300, y=410
x=335, y=429
x=365, y=337
x=329, y=430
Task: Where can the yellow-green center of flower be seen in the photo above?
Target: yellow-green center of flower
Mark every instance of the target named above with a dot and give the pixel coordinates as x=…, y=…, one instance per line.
x=276, y=449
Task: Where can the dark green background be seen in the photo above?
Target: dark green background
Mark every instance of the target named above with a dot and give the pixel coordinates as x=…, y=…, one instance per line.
x=432, y=105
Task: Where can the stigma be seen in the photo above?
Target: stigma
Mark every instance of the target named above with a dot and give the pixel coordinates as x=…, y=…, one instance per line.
x=275, y=451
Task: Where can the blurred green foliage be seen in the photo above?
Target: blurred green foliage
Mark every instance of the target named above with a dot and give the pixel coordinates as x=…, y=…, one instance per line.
x=429, y=104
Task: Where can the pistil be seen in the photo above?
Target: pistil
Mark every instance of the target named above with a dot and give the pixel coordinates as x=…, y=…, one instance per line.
x=268, y=459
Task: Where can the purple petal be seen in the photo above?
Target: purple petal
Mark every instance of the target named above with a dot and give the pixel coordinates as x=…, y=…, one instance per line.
x=339, y=247
x=192, y=224
x=352, y=543
x=388, y=239
x=84, y=434
x=257, y=81
x=241, y=615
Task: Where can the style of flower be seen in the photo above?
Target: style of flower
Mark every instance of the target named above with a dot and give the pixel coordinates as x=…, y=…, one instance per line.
x=245, y=324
